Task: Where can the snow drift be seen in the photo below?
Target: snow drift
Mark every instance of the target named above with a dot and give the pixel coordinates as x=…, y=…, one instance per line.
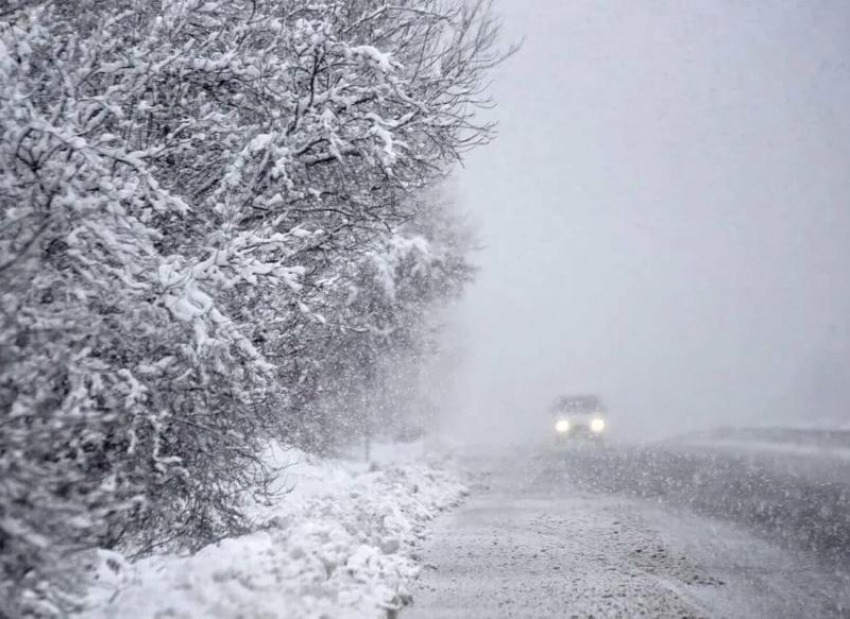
x=339, y=543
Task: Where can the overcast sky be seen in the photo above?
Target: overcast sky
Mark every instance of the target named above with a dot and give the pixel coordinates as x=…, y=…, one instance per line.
x=666, y=215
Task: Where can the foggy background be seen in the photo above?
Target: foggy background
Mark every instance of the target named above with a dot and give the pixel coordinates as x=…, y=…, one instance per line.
x=665, y=219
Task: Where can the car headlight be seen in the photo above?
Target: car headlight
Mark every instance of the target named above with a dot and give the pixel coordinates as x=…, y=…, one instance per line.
x=562, y=426
x=597, y=425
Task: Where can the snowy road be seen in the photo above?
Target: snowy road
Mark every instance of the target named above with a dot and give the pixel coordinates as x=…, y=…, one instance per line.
x=675, y=531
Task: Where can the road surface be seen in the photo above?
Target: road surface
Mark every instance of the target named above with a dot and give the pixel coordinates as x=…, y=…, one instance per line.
x=672, y=531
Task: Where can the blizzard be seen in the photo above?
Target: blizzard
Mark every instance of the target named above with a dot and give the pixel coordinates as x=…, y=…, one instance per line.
x=279, y=279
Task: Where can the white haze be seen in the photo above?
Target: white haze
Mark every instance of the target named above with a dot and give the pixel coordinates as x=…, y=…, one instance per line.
x=666, y=218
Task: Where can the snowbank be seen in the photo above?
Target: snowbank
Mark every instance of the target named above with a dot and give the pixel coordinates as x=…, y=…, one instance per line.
x=338, y=545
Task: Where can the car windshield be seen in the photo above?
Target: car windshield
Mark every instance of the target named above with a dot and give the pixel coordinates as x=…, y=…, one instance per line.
x=577, y=404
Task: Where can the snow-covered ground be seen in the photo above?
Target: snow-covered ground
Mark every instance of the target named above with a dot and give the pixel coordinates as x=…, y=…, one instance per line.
x=790, y=449
x=341, y=543
x=538, y=539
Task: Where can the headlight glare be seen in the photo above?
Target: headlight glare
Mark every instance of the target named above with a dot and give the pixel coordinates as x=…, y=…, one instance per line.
x=597, y=425
x=562, y=426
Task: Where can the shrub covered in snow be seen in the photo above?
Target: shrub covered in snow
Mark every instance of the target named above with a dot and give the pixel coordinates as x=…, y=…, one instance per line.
x=207, y=209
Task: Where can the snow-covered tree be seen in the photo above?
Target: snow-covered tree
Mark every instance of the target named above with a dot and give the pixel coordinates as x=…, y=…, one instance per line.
x=187, y=188
x=385, y=308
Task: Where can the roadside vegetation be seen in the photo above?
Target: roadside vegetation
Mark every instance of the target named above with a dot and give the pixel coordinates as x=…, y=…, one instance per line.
x=221, y=223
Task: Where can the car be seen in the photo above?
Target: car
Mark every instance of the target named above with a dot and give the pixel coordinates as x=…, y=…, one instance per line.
x=579, y=417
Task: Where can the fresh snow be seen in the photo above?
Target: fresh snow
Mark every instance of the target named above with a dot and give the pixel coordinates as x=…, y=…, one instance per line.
x=339, y=543
x=790, y=449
